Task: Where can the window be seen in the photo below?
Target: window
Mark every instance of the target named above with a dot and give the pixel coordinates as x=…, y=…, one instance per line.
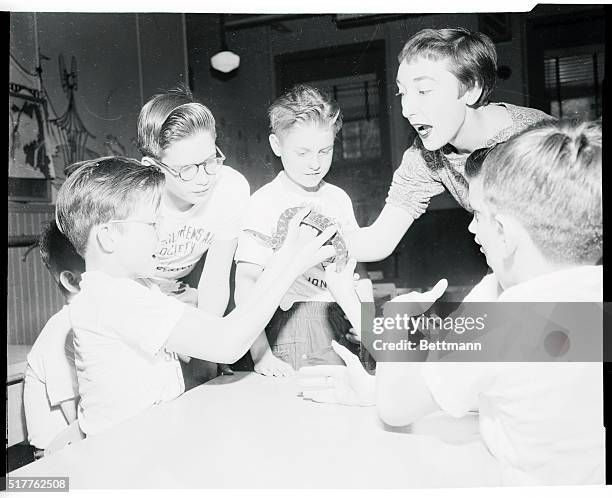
x=574, y=82
x=358, y=97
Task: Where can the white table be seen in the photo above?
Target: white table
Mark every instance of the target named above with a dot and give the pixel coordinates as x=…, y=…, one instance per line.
x=15, y=370
x=261, y=434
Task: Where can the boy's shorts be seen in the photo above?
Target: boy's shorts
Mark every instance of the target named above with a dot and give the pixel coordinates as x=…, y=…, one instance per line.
x=302, y=335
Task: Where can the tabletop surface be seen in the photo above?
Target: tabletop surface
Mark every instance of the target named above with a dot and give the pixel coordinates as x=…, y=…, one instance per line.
x=16, y=361
x=250, y=431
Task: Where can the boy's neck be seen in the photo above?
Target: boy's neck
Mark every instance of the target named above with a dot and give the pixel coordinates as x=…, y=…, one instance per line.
x=472, y=134
x=106, y=264
x=295, y=187
x=175, y=202
x=529, y=266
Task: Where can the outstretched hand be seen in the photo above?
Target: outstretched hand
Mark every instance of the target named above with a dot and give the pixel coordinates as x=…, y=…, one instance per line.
x=417, y=303
x=302, y=246
x=345, y=385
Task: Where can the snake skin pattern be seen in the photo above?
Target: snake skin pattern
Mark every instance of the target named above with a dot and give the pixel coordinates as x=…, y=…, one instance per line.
x=313, y=219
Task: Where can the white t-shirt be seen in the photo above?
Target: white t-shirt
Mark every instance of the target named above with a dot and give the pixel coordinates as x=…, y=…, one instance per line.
x=262, y=214
x=186, y=236
x=120, y=328
x=543, y=422
x=50, y=379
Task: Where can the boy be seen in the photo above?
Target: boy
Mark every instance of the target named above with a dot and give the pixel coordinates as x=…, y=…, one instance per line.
x=125, y=334
x=445, y=79
x=538, y=218
x=50, y=392
x=304, y=123
x=202, y=203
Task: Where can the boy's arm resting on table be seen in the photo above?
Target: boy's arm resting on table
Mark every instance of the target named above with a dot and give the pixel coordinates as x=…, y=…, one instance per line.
x=264, y=360
x=402, y=396
x=213, y=287
x=380, y=239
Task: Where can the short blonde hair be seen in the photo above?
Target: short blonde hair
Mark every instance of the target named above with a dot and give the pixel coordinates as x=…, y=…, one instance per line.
x=549, y=177
x=100, y=190
x=304, y=104
x=169, y=117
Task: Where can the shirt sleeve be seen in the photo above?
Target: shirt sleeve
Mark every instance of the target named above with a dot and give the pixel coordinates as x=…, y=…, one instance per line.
x=259, y=217
x=51, y=359
x=350, y=222
x=413, y=184
x=456, y=387
x=236, y=204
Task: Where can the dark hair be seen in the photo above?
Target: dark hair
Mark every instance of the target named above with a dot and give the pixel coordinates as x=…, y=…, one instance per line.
x=103, y=189
x=471, y=55
x=473, y=164
x=58, y=254
x=171, y=116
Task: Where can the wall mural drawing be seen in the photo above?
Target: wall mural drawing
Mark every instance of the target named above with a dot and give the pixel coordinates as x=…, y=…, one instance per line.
x=35, y=138
x=72, y=132
x=30, y=150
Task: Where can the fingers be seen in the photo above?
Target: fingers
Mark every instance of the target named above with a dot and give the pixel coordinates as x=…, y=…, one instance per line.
x=419, y=302
x=274, y=367
x=353, y=337
x=323, y=253
x=294, y=223
x=437, y=291
x=284, y=370
x=326, y=234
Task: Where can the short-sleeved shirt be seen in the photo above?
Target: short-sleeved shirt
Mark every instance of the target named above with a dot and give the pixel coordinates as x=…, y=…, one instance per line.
x=50, y=379
x=120, y=329
x=262, y=214
x=543, y=422
x=186, y=236
x=424, y=174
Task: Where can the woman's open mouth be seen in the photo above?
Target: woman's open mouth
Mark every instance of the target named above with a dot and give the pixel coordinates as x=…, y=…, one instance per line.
x=423, y=130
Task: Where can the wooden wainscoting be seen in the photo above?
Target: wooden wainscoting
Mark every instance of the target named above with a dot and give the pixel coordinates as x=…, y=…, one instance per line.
x=32, y=295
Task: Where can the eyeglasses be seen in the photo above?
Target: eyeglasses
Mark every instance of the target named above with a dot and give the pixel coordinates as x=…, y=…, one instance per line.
x=190, y=171
x=154, y=224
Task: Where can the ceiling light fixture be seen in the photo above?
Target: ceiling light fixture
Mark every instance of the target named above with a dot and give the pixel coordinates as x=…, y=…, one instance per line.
x=225, y=61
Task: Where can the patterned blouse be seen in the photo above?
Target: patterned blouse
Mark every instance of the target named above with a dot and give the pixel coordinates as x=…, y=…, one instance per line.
x=423, y=174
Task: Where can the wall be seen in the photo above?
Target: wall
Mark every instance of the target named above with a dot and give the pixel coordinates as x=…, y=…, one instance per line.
x=245, y=118
x=240, y=105
x=122, y=59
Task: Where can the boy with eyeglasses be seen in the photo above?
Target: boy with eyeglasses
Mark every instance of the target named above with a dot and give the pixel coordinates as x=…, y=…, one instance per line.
x=202, y=203
x=126, y=334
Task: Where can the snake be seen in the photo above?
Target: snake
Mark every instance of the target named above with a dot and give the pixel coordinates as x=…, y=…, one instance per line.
x=313, y=219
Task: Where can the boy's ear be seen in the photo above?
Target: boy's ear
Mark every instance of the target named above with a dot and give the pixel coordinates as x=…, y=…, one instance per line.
x=104, y=238
x=510, y=232
x=275, y=144
x=70, y=281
